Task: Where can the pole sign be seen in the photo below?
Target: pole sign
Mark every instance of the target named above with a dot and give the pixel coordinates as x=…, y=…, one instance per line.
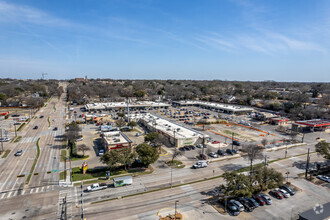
x=84, y=167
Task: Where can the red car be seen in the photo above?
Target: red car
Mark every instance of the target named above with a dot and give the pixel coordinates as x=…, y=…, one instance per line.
x=259, y=200
x=203, y=156
x=215, y=142
x=276, y=194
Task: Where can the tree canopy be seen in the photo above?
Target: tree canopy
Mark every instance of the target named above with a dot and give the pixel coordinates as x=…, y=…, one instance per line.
x=147, y=154
x=323, y=148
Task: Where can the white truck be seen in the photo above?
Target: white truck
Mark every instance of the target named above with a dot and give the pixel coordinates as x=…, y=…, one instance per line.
x=200, y=164
x=96, y=187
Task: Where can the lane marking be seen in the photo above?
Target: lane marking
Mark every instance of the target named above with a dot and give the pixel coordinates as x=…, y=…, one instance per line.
x=9, y=194
x=23, y=192
x=3, y=195
x=42, y=189
x=31, y=191
x=15, y=193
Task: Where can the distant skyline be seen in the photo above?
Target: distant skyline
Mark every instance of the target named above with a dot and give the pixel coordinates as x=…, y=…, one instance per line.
x=239, y=40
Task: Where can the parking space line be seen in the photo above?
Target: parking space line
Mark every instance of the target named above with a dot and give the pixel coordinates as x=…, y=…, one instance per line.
x=15, y=193
x=31, y=191
x=3, y=195
x=42, y=189
x=9, y=194
x=23, y=192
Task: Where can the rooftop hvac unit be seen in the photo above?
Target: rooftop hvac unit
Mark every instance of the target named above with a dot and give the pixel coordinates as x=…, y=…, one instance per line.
x=116, y=139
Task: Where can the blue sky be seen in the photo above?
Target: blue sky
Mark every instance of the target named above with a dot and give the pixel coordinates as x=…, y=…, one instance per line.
x=158, y=39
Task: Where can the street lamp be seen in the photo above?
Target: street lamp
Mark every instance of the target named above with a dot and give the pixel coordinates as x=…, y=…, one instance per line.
x=287, y=176
x=175, y=208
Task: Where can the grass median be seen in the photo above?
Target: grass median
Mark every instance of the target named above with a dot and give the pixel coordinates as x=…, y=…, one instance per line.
x=18, y=139
x=34, y=163
x=21, y=127
x=5, y=154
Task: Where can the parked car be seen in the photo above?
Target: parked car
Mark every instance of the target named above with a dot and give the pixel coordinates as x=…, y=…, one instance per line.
x=17, y=123
x=237, y=143
x=192, y=147
x=237, y=204
x=199, y=145
x=35, y=127
x=182, y=148
x=247, y=206
x=266, y=198
x=259, y=199
x=220, y=152
x=41, y=116
x=187, y=148
x=288, y=189
x=230, y=207
x=253, y=202
x=101, y=152
x=203, y=156
x=229, y=151
x=276, y=194
x=214, y=155
x=138, y=134
x=80, y=139
x=284, y=193
x=19, y=153
x=215, y=142
x=4, y=139
x=324, y=178
x=55, y=129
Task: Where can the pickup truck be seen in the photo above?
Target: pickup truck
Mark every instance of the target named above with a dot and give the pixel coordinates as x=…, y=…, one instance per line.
x=96, y=187
x=200, y=164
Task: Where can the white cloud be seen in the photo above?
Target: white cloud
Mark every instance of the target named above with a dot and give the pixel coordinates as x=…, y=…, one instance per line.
x=25, y=14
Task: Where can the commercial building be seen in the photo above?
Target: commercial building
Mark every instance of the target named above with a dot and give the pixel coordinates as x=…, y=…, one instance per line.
x=172, y=134
x=142, y=105
x=278, y=121
x=319, y=212
x=115, y=140
x=311, y=125
x=217, y=107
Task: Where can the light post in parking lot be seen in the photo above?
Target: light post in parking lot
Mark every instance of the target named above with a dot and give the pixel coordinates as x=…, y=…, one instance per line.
x=287, y=176
x=15, y=129
x=175, y=208
x=232, y=141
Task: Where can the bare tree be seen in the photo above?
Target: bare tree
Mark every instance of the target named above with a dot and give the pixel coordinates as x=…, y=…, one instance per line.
x=83, y=148
x=264, y=142
x=293, y=136
x=252, y=153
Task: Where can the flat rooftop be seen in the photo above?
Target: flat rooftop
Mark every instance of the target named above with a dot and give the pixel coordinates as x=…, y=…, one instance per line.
x=116, y=137
x=233, y=108
x=109, y=105
x=169, y=127
x=314, y=122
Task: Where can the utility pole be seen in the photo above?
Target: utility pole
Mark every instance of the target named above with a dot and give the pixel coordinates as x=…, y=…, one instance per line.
x=70, y=171
x=1, y=141
x=82, y=200
x=307, y=164
x=286, y=152
x=175, y=208
x=203, y=144
x=171, y=175
x=232, y=141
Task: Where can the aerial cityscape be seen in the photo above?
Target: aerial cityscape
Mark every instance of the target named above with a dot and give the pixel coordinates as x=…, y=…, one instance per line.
x=162, y=110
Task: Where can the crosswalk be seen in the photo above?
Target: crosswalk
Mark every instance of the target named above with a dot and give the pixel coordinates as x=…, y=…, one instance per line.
x=66, y=200
x=21, y=192
x=29, y=139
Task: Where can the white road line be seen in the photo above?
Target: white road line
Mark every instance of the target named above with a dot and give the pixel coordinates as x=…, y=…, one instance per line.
x=31, y=191
x=3, y=195
x=52, y=187
x=9, y=176
x=47, y=187
x=37, y=190
x=42, y=189
x=9, y=194
x=75, y=194
x=23, y=192
x=15, y=193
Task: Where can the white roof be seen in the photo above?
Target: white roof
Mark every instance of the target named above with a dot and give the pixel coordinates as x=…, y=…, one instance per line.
x=169, y=127
x=104, y=105
x=115, y=137
x=217, y=105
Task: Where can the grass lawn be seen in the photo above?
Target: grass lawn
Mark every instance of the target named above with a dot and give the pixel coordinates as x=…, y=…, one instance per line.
x=230, y=133
x=79, y=157
x=175, y=164
x=5, y=154
x=63, y=175
x=63, y=155
x=34, y=163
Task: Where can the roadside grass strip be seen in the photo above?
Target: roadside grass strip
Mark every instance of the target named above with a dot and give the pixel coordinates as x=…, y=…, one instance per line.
x=63, y=155
x=6, y=153
x=18, y=139
x=21, y=127
x=34, y=163
x=48, y=121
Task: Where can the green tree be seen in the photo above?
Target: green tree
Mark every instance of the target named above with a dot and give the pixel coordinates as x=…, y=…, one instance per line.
x=120, y=123
x=323, y=148
x=236, y=184
x=147, y=154
x=111, y=158
x=151, y=137
x=121, y=114
x=132, y=124
x=83, y=148
x=139, y=93
x=127, y=156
